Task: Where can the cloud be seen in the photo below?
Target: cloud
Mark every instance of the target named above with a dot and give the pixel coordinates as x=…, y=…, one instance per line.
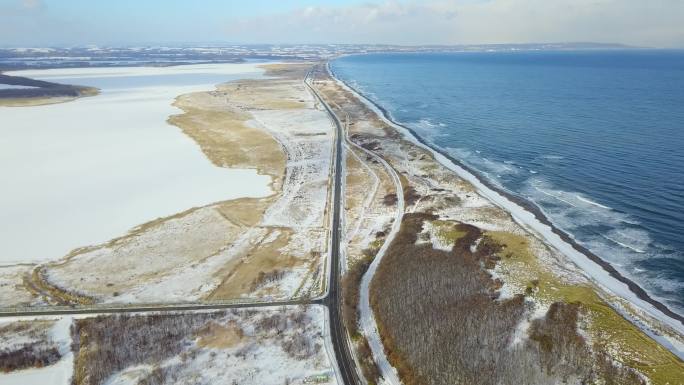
x=31, y=4
x=637, y=22
x=654, y=23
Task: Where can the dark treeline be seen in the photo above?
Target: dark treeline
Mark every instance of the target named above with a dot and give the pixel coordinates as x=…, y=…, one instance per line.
x=37, y=351
x=442, y=323
x=351, y=283
x=28, y=356
x=105, y=345
x=43, y=88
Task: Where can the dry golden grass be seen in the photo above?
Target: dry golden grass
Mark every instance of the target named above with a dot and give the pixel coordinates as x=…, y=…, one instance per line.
x=215, y=335
x=358, y=182
x=226, y=139
x=13, y=291
x=263, y=257
x=449, y=232
x=40, y=286
x=609, y=330
x=245, y=212
x=262, y=94
x=133, y=260
x=365, y=120
x=287, y=70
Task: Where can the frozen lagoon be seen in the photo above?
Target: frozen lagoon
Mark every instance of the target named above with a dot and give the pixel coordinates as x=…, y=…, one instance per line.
x=81, y=173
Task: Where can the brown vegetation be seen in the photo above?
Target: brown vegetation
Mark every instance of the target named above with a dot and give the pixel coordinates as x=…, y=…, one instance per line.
x=39, y=285
x=351, y=283
x=222, y=132
x=105, y=345
x=441, y=321
x=263, y=263
x=390, y=199
x=411, y=196
x=35, y=351
x=28, y=356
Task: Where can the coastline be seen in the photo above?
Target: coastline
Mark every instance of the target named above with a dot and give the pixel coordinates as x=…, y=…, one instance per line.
x=516, y=205
x=42, y=92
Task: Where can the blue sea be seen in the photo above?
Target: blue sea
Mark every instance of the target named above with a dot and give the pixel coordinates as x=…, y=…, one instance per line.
x=595, y=139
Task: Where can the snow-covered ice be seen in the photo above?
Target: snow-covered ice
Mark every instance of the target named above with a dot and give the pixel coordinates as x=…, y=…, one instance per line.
x=83, y=172
x=57, y=374
x=15, y=87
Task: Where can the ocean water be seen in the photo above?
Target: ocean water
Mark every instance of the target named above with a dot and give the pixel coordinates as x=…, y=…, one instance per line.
x=595, y=139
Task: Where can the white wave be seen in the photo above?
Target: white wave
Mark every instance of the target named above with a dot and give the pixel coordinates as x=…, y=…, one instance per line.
x=591, y=269
x=592, y=202
x=633, y=248
x=552, y=157
x=665, y=284
x=573, y=214
x=634, y=239
x=424, y=124
x=554, y=196
x=483, y=164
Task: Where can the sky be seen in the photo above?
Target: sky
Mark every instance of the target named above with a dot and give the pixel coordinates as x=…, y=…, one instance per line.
x=646, y=23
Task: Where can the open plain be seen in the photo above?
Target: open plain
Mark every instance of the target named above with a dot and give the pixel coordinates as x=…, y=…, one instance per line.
x=430, y=268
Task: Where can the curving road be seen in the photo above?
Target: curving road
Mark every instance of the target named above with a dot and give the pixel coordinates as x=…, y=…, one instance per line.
x=367, y=320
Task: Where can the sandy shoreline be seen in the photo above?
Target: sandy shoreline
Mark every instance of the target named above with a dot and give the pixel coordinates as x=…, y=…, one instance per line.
x=533, y=219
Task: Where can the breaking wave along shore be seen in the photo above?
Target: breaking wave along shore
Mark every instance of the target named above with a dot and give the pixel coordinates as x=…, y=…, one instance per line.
x=533, y=218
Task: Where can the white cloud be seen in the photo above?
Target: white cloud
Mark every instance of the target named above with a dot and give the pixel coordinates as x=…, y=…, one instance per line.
x=656, y=23
x=31, y=4
x=637, y=22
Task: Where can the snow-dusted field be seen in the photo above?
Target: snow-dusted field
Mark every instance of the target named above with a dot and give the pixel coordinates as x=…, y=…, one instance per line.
x=306, y=137
x=270, y=247
x=48, y=332
x=83, y=172
x=260, y=355
x=246, y=346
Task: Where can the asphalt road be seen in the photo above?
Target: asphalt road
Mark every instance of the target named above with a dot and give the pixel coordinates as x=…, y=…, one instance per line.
x=333, y=300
